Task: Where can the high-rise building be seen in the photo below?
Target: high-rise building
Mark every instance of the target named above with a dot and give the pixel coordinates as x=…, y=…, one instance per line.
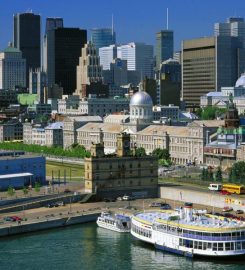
x=107, y=54
x=164, y=46
x=27, y=38
x=12, y=68
x=208, y=64
x=139, y=57
x=102, y=37
x=233, y=27
x=62, y=47
x=89, y=73
x=37, y=83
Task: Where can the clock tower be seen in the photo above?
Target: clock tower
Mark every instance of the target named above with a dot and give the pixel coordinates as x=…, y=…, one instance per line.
x=123, y=144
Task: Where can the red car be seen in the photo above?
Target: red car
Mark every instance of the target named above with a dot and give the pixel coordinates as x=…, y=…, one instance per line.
x=16, y=218
x=224, y=192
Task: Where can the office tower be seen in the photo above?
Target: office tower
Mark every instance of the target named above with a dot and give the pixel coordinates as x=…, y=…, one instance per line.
x=164, y=46
x=37, y=83
x=12, y=68
x=208, y=64
x=53, y=23
x=27, y=38
x=107, y=54
x=102, y=37
x=62, y=47
x=89, y=73
x=139, y=58
x=170, y=82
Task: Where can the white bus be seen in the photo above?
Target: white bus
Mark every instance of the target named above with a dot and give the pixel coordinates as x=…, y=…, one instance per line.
x=215, y=187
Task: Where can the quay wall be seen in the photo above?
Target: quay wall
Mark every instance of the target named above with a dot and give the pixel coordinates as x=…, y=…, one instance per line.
x=47, y=224
x=201, y=197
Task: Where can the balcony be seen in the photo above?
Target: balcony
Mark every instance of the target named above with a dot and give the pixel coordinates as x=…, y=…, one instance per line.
x=223, y=152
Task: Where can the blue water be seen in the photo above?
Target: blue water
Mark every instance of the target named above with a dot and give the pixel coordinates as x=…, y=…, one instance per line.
x=88, y=247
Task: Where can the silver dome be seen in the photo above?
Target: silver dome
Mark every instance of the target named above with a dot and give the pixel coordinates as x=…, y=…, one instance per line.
x=241, y=81
x=141, y=98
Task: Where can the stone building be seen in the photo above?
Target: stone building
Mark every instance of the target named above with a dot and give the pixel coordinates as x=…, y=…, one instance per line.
x=11, y=130
x=122, y=173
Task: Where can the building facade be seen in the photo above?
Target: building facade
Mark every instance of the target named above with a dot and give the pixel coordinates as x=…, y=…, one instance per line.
x=139, y=58
x=164, y=46
x=62, y=47
x=12, y=69
x=120, y=174
x=11, y=131
x=103, y=37
x=20, y=169
x=107, y=55
x=27, y=38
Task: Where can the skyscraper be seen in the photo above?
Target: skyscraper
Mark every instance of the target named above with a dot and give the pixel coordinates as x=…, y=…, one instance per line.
x=164, y=46
x=12, y=68
x=139, y=57
x=107, y=54
x=103, y=37
x=27, y=38
x=62, y=47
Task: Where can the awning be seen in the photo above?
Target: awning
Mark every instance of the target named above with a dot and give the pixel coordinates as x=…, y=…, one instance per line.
x=15, y=175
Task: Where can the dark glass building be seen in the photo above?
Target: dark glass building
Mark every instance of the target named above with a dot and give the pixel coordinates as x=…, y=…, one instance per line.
x=164, y=46
x=62, y=49
x=27, y=38
x=103, y=37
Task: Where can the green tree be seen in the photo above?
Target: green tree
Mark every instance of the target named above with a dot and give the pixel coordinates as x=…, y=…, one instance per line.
x=140, y=152
x=37, y=186
x=237, y=174
x=210, y=176
x=218, y=175
x=11, y=191
x=25, y=190
x=204, y=174
x=161, y=153
x=211, y=112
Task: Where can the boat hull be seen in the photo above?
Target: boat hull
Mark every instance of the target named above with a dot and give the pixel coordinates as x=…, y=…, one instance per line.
x=111, y=227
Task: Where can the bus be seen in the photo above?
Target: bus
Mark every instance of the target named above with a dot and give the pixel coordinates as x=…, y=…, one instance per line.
x=232, y=188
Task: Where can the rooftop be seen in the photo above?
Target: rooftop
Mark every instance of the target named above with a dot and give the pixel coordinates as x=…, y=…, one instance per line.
x=106, y=127
x=160, y=129
x=201, y=222
x=25, y=156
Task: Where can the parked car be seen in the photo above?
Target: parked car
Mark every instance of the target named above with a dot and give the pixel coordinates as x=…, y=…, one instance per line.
x=239, y=212
x=165, y=206
x=119, y=198
x=155, y=204
x=8, y=219
x=60, y=203
x=227, y=209
x=229, y=215
x=224, y=192
x=67, y=190
x=16, y=218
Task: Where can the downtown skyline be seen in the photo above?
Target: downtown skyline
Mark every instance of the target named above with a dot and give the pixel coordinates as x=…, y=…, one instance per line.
x=188, y=19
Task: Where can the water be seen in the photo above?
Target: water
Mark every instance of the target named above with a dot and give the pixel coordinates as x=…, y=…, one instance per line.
x=91, y=248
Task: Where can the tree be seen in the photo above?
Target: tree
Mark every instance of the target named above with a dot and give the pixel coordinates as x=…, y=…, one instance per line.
x=237, y=174
x=204, y=175
x=140, y=152
x=211, y=112
x=11, y=191
x=210, y=175
x=161, y=153
x=25, y=190
x=37, y=186
x=218, y=175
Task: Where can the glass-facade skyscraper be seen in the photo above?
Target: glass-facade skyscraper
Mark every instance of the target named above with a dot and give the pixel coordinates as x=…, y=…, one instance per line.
x=103, y=37
x=27, y=38
x=164, y=46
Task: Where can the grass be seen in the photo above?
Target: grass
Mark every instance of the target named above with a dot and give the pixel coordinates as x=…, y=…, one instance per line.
x=73, y=171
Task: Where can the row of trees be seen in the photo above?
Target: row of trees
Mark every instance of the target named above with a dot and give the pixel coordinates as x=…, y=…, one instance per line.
x=11, y=190
x=209, y=175
x=163, y=156
x=75, y=151
x=210, y=112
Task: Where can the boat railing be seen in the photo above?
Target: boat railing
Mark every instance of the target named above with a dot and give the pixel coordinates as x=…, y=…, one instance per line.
x=203, y=237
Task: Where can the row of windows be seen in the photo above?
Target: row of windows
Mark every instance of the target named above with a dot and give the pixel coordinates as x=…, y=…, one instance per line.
x=141, y=231
x=227, y=246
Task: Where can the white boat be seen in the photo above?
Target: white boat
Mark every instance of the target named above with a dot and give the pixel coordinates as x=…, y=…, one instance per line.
x=117, y=222
x=189, y=234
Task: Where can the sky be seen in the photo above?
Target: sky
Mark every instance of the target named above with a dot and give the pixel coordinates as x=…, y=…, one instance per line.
x=134, y=20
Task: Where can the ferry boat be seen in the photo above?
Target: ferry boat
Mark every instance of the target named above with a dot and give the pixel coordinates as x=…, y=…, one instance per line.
x=190, y=233
x=118, y=222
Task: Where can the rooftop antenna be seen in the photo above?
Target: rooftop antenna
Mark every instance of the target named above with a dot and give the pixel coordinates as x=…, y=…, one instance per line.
x=167, y=18
x=112, y=25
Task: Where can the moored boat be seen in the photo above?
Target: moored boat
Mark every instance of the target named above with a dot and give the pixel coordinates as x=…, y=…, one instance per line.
x=117, y=222
x=190, y=234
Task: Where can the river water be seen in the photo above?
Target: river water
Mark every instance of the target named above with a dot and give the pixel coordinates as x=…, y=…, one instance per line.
x=91, y=248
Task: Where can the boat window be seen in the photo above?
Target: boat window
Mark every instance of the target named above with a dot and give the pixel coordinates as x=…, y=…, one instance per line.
x=238, y=245
x=227, y=246
x=220, y=246
x=243, y=245
x=205, y=245
x=215, y=246
x=232, y=245
x=195, y=244
x=199, y=245
x=191, y=244
x=209, y=245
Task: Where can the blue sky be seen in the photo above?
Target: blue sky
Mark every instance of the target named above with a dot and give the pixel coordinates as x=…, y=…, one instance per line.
x=135, y=20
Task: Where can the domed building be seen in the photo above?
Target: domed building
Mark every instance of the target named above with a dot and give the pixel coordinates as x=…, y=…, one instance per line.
x=241, y=81
x=141, y=108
